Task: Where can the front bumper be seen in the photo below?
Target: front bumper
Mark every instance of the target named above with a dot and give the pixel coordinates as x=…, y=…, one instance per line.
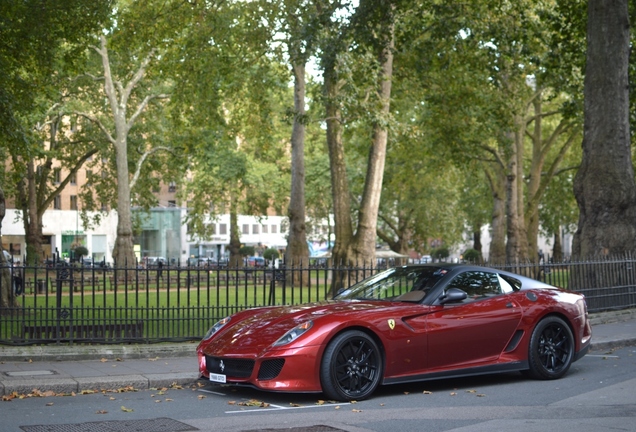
x=293, y=370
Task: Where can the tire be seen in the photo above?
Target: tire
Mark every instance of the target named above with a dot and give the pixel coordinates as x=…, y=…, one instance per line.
x=551, y=349
x=351, y=367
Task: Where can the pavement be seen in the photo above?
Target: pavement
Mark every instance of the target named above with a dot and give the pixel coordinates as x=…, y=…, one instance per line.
x=32, y=370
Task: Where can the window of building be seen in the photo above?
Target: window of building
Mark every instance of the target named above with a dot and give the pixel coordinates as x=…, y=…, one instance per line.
x=89, y=176
x=265, y=229
x=246, y=229
x=57, y=203
x=255, y=229
x=222, y=229
x=274, y=229
x=73, y=202
x=172, y=187
x=57, y=175
x=172, y=203
x=73, y=178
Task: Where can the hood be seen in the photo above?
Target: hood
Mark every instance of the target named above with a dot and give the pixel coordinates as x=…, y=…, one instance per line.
x=261, y=329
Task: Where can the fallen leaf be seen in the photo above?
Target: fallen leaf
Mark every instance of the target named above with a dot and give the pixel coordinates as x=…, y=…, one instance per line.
x=381, y=404
x=112, y=398
x=103, y=360
x=453, y=394
x=101, y=412
x=201, y=397
x=295, y=405
x=320, y=402
x=118, y=359
x=427, y=392
x=406, y=393
x=356, y=410
x=168, y=400
x=481, y=395
x=471, y=391
x=49, y=404
x=231, y=402
x=338, y=407
x=154, y=359
x=158, y=400
x=124, y=409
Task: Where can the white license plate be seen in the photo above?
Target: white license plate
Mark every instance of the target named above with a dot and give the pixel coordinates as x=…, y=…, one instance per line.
x=217, y=378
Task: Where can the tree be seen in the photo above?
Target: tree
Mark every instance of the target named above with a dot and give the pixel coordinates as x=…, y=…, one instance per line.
x=119, y=95
x=604, y=185
x=42, y=46
x=377, y=36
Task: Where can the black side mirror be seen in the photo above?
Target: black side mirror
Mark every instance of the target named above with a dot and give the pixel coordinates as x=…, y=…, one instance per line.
x=452, y=295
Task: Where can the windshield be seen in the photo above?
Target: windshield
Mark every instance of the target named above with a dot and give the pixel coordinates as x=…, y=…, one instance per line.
x=399, y=284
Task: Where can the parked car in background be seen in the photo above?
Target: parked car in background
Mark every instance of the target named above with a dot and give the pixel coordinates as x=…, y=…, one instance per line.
x=207, y=262
x=153, y=262
x=255, y=261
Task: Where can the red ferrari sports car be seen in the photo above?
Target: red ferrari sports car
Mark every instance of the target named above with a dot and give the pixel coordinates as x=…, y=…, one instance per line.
x=404, y=324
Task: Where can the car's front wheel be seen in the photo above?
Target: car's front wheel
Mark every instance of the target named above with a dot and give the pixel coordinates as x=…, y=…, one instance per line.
x=551, y=349
x=351, y=366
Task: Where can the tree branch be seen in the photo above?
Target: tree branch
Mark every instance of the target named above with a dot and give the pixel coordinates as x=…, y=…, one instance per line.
x=141, y=107
x=141, y=161
x=98, y=123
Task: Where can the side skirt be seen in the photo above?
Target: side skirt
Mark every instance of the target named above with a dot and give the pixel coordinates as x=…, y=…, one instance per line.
x=482, y=370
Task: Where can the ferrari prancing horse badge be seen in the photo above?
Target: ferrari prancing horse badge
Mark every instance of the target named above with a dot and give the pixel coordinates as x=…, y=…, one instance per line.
x=391, y=324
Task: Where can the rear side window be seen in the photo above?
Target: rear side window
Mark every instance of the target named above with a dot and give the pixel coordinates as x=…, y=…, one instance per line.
x=513, y=283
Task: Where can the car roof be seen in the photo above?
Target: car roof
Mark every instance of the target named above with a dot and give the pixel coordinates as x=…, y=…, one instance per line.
x=526, y=282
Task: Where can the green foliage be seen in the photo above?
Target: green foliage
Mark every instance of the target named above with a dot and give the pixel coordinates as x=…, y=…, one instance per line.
x=80, y=251
x=271, y=254
x=247, y=251
x=472, y=255
x=440, y=253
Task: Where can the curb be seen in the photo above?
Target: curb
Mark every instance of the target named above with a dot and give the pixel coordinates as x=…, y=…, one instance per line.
x=95, y=352
x=98, y=384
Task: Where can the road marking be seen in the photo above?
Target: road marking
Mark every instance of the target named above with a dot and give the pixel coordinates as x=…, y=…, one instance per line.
x=272, y=407
x=213, y=392
x=602, y=356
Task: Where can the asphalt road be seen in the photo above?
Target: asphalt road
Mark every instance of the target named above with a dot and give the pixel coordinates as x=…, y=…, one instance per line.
x=597, y=394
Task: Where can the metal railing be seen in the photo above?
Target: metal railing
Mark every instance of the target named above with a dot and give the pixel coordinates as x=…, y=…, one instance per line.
x=63, y=303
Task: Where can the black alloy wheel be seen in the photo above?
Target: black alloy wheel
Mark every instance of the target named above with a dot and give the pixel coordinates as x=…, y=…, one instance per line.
x=351, y=367
x=551, y=349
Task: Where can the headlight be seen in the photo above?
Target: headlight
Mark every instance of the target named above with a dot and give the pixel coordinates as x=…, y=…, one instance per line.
x=216, y=327
x=294, y=333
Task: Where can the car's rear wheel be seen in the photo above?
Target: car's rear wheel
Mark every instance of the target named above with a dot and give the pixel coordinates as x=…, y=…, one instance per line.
x=351, y=367
x=551, y=349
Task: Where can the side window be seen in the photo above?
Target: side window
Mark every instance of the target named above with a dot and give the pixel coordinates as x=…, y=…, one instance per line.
x=477, y=284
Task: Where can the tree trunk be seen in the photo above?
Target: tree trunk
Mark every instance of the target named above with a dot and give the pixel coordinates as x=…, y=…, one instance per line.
x=339, y=185
x=604, y=186
x=297, y=252
x=235, y=237
x=496, y=181
x=477, y=239
x=517, y=242
x=557, y=250
x=363, y=245
x=123, y=253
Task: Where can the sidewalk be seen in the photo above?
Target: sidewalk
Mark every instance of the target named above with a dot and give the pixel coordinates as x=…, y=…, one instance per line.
x=106, y=367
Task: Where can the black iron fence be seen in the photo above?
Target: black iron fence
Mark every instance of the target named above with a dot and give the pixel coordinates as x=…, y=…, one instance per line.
x=62, y=303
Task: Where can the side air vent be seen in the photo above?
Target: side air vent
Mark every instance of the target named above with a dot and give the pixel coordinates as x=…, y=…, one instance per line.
x=512, y=345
